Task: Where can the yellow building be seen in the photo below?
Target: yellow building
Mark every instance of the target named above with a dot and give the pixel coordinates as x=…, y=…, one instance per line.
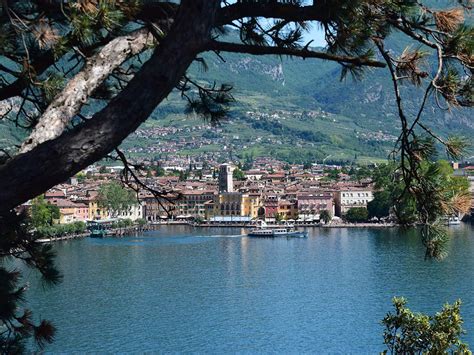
x=233, y=204
x=287, y=210
x=228, y=204
x=250, y=205
x=95, y=212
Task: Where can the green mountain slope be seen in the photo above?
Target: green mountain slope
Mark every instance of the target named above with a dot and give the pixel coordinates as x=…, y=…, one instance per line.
x=293, y=109
x=304, y=110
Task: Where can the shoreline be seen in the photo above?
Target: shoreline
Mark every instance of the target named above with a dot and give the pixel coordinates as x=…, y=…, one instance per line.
x=313, y=225
x=118, y=232
x=155, y=226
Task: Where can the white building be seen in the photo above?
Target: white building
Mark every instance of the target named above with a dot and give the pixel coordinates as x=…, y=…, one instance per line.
x=134, y=212
x=352, y=197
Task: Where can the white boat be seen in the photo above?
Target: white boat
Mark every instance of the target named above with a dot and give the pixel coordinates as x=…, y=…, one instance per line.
x=453, y=220
x=287, y=230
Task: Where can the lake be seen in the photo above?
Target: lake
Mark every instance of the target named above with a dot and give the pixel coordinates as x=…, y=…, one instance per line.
x=214, y=290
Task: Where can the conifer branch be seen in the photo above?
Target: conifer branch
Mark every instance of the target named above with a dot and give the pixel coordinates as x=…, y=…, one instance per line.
x=292, y=52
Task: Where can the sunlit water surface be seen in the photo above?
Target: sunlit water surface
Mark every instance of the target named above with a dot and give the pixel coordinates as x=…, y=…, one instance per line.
x=215, y=290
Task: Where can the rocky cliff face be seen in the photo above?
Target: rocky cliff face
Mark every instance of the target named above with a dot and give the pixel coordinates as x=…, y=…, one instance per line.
x=252, y=65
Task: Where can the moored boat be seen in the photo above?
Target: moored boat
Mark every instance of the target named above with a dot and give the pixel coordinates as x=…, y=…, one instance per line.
x=99, y=228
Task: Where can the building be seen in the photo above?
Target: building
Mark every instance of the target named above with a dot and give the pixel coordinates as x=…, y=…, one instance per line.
x=225, y=178
x=287, y=210
x=310, y=204
x=250, y=205
x=192, y=202
x=233, y=204
x=269, y=208
x=54, y=195
x=274, y=178
x=228, y=204
x=96, y=212
x=70, y=211
x=352, y=197
x=134, y=212
x=155, y=211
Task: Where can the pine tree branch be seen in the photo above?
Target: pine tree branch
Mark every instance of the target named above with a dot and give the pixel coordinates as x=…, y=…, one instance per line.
x=302, y=53
x=31, y=173
x=318, y=12
x=69, y=102
x=151, y=11
x=40, y=63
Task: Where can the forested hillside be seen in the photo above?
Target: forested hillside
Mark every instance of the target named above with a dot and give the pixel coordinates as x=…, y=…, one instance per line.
x=291, y=108
x=300, y=109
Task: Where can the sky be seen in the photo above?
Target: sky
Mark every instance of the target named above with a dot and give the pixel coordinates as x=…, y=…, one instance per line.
x=315, y=34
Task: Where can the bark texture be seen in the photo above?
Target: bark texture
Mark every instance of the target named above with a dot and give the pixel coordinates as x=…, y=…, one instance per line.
x=151, y=11
x=52, y=162
x=77, y=91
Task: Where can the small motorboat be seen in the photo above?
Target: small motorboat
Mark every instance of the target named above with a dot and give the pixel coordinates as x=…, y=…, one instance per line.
x=288, y=230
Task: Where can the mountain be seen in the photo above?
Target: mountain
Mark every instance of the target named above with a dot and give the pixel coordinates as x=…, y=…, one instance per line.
x=289, y=108
x=299, y=109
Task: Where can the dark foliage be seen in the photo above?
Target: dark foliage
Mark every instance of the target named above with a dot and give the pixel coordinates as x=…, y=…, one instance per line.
x=17, y=242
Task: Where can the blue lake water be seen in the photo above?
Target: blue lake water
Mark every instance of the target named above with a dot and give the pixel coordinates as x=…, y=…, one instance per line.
x=214, y=290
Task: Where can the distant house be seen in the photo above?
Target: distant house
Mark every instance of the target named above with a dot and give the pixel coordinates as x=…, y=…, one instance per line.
x=287, y=209
x=192, y=202
x=155, y=210
x=233, y=204
x=254, y=174
x=311, y=204
x=71, y=211
x=270, y=206
x=54, y=194
x=275, y=177
x=96, y=212
x=351, y=197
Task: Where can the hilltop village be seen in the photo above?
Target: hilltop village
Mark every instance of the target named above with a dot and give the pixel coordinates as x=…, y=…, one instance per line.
x=222, y=194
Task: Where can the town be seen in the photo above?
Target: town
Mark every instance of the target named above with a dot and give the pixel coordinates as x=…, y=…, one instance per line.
x=227, y=194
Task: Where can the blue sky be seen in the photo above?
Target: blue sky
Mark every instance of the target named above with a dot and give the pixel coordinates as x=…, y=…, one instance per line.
x=317, y=35
x=314, y=34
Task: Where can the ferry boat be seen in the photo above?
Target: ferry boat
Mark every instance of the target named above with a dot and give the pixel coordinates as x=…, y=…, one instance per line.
x=263, y=231
x=453, y=220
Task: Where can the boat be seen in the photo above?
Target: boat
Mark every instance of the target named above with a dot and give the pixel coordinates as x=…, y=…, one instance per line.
x=98, y=233
x=288, y=231
x=100, y=228
x=453, y=220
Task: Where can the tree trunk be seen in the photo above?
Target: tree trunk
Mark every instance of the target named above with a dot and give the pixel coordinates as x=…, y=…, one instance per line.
x=52, y=162
x=69, y=102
